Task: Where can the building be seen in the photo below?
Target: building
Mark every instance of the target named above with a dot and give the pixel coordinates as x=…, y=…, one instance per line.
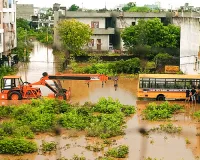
x=25, y=11
x=106, y=26
x=8, y=38
x=103, y=29
x=189, y=44
x=1, y=29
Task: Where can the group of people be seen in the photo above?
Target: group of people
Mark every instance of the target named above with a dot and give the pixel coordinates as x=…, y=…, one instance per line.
x=192, y=95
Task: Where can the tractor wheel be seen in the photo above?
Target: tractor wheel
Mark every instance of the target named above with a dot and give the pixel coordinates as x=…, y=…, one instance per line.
x=15, y=96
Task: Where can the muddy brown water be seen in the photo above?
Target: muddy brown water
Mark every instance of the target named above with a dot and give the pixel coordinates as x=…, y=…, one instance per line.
x=160, y=146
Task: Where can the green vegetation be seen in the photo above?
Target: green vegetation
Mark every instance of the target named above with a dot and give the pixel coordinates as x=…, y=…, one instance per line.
x=73, y=7
x=16, y=146
x=95, y=148
x=74, y=35
x=161, y=111
x=48, y=146
x=167, y=128
x=141, y=42
x=197, y=115
x=187, y=141
x=143, y=33
x=45, y=35
x=44, y=115
x=118, y=152
x=109, y=68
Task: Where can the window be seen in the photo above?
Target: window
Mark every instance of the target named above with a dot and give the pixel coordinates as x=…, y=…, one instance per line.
x=160, y=83
x=94, y=24
x=170, y=83
x=133, y=23
x=10, y=3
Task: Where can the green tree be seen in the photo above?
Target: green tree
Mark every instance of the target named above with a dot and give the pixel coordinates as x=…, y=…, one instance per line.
x=152, y=33
x=73, y=7
x=74, y=35
x=22, y=23
x=139, y=9
x=128, y=6
x=162, y=59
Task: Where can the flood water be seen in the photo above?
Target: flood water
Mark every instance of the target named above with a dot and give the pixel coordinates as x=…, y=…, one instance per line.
x=160, y=146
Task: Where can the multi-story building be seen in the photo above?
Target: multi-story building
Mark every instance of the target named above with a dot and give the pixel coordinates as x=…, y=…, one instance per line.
x=1, y=29
x=8, y=39
x=99, y=22
x=9, y=26
x=106, y=26
x=25, y=11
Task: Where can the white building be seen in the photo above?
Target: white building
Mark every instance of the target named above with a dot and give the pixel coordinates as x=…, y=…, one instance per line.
x=189, y=44
x=1, y=29
x=9, y=25
x=99, y=22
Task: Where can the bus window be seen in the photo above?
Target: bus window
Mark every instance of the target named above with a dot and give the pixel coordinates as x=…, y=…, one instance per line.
x=141, y=84
x=160, y=83
x=180, y=84
x=152, y=83
x=170, y=83
x=145, y=84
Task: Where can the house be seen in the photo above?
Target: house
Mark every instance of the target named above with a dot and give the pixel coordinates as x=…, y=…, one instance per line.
x=99, y=22
x=8, y=38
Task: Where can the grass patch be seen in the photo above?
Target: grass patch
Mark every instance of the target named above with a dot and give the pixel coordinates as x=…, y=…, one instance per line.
x=48, y=146
x=167, y=128
x=161, y=111
x=118, y=152
x=16, y=146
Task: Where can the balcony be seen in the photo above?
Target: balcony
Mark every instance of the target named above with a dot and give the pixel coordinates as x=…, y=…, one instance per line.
x=103, y=31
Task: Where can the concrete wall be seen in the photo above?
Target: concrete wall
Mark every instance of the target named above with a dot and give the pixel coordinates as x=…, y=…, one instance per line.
x=9, y=26
x=189, y=44
x=104, y=42
x=56, y=43
x=25, y=11
x=90, y=20
x=1, y=28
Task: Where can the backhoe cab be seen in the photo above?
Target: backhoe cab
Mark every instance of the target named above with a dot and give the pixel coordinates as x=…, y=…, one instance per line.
x=13, y=88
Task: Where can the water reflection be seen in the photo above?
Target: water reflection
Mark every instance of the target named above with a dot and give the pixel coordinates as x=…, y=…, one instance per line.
x=157, y=145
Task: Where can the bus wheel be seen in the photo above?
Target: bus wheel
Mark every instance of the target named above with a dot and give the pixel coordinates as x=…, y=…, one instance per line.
x=160, y=98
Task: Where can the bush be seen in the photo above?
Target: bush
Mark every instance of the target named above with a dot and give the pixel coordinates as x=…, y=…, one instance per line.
x=16, y=146
x=74, y=120
x=129, y=66
x=167, y=128
x=118, y=152
x=160, y=111
x=106, y=125
x=48, y=146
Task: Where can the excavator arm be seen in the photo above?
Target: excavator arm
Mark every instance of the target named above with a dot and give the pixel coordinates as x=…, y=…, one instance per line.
x=65, y=94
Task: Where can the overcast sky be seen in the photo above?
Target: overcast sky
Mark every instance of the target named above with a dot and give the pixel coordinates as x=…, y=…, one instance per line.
x=95, y=4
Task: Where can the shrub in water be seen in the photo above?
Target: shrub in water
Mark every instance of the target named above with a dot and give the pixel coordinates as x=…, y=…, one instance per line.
x=16, y=146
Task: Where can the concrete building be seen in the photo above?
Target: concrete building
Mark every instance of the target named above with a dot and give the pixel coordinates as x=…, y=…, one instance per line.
x=25, y=11
x=106, y=26
x=1, y=29
x=8, y=38
x=189, y=44
x=99, y=22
